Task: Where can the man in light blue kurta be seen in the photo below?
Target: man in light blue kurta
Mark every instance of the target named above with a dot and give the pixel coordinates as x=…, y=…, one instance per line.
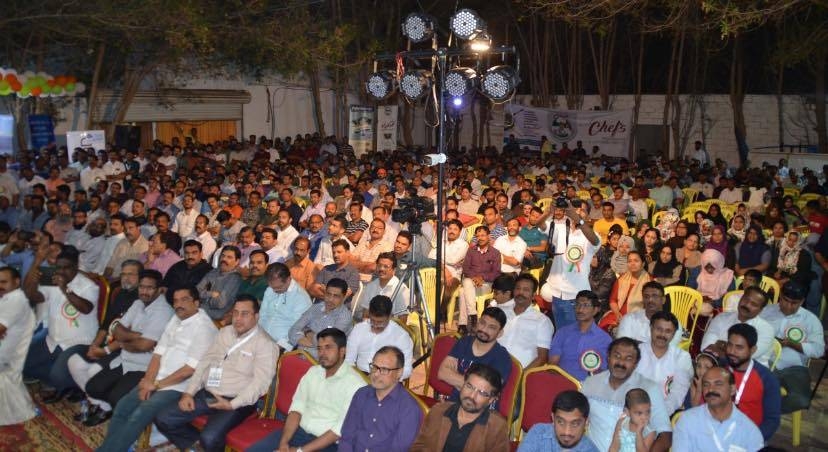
x=717, y=425
x=283, y=303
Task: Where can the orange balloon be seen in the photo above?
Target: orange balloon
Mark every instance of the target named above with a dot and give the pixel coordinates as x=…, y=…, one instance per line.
x=37, y=91
x=60, y=80
x=11, y=78
x=71, y=79
x=51, y=82
x=15, y=85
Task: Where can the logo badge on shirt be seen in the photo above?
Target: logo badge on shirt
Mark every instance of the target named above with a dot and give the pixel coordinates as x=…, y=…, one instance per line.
x=574, y=255
x=590, y=361
x=70, y=313
x=795, y=334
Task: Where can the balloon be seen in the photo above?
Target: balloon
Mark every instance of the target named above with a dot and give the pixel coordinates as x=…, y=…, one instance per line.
x=16, y=86
x=80, y=87
x=24, y=92
x=57, y=90
x=5, y=92
x=70, y=87
x=60, y=80
x=4, y=85
x=51, y=82
x=36, y=91
x=71, y=79
x=11, y=78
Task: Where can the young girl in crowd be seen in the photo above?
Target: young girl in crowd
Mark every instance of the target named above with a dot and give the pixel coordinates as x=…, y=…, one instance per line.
x=695, y=396
x=632, y=431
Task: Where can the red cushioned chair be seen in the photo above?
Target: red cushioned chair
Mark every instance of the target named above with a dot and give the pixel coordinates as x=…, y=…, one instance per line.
x=292, y=367
x=539, y=388
x=509, y=394
x=103, y=294
x=442, y=346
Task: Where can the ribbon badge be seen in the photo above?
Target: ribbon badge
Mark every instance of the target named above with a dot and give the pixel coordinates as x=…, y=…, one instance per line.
x=590, y=361
x=668, y=385
x=71, y=314
x=574, y=255
x=795, y=334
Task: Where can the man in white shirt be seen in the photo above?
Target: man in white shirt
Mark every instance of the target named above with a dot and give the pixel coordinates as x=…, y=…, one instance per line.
x=636, y=325
x=511, y=247
x=91, y=175
x=201, y=234
x=454, y=252
x=701, y=154
x=730, y=194
x=186, y=338
x=315, y=207
x=184, y=224
x=665, y=363
x=704, y=187
x=528, y=331
x=287, y=233
x=377, y=331
x=753, y=301
x=114, y=169
x=116, y=234
x=17, y=322
x=384, y=284
x=71, y=301
x=336, y=231
x=802, y=337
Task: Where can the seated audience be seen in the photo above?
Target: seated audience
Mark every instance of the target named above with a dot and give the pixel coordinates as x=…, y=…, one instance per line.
x=378, y=331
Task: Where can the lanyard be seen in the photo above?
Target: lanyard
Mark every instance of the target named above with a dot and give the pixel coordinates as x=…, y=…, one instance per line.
x=240, y=343
x=743, y=383
x=716, y=437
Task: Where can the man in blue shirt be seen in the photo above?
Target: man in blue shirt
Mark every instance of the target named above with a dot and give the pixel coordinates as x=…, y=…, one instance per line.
x=481, y=348
x=717, y=423
x=580, y=348
x=570, y=416
x=382, y=416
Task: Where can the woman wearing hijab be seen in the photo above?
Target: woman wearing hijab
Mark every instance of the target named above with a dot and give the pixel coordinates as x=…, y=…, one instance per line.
x=667, y=224
x=791, y=213
x=714, y=213
x=738, y=228
x=752, y=253
x=705, y=230
x=666, y=270
x=719, y=242
x=626, y=295
x=602, y=276
x=677, y=241
x=619, y=258
x=714, y=280
x=793, y=261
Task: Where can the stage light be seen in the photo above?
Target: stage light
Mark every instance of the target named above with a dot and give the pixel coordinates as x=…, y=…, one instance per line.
x=465, y=23
x=457, y=102
x=480, y=42
x=415, y=84
x=418, y=27
x=380, y=85
x=499, y=83
x=460, y=81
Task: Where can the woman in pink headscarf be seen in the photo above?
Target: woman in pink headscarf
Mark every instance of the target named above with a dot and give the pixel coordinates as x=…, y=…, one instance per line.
x=714, y=280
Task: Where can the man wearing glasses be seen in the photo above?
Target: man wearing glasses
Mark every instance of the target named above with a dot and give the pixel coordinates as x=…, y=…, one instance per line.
x=316, y=415
x=382, y=416
x=467, y=425
x=379, y=331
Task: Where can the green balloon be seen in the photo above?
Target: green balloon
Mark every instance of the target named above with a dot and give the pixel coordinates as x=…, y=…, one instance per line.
x=25, y=91
x=57, y=90
x=70, y=87
x=5, y=92
x=4, y=85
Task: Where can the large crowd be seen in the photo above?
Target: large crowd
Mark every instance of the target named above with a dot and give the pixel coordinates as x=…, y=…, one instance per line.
x=166, y=285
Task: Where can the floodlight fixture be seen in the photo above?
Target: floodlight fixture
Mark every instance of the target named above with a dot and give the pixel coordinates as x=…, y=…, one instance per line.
x=499, y=83
x=480, y=42
x=465, y=23
x=457, y=102
x=418, y=27
x=460, y=81
x=414, y=85
x=380, y=85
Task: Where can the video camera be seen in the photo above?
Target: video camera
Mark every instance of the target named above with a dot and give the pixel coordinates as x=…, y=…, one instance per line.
x=414, y=211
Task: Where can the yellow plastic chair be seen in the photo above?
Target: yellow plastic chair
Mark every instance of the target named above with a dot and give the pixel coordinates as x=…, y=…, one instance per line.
x=727, y=296
x=651, y=206
x=685, y=304
x=584, y=194
x=792, y=191
x=544, y=203
x=796, y=421
x=429, y=278
x=809, y=196
x=656, y=217
x=690, y=195
x=768, y=284
x=675, y=418
x=777, y=353
x=536, y=273
x=451, y=307
x=470, y=232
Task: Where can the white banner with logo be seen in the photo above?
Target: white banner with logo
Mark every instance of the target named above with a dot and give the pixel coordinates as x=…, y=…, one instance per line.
x=95, y=139
x=387, y=127
x=609, y=130
x=361, y=129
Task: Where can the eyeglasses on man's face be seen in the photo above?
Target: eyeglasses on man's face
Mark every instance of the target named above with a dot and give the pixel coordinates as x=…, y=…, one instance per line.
x=373, y=368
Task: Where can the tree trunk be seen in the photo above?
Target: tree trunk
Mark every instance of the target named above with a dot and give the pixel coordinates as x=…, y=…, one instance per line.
x=822, y=134
x=639, y=73
x=602, y=61
x=737, y=100
x=93, y=90
x=129, y=88
x=407, y=126
x=319, y=119
x=780, y=108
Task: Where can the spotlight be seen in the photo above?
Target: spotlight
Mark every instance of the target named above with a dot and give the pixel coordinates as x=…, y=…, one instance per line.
x=415, y=84
x=380, y=85
x=418, y=27
x=457, y=102
x=460, y=81
x=499, y=83
x=465, y=23
x=480, y=42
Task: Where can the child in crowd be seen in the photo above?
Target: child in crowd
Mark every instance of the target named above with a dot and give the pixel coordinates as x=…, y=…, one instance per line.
x=633, y=432
x=695, y=396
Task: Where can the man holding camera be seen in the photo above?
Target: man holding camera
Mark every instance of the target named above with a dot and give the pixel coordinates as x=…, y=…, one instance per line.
x=574, y=243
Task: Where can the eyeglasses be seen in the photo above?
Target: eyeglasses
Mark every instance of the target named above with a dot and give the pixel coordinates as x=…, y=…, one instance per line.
x=381, y=370
x=468, y=386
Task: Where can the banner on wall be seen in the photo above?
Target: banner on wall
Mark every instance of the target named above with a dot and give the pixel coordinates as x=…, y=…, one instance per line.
x=41, y=130
x=95, y=139
x=387, y=127
x=609, y=130
x=6, y=134
x=361, y=129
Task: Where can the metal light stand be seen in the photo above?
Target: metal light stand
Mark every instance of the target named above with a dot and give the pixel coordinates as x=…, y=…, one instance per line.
x=415, y=287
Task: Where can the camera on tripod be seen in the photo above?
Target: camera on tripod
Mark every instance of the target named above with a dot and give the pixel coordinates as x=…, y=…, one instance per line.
x=414, y=211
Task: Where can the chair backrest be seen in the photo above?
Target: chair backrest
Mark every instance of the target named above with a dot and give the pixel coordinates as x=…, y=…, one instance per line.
x=656, y=217
x=777, y=353
x=690, y=195
x=420, y=403
x=685, y=304
x=675, y=418
x=509, y=394
x=768, y=284
x=543, y=203
x=651, y=204
x=539, y=388
x=442, y=346
x=728, y=303
x=429, y=278
x=103, y=295
x=292, y=367
x=470, y=231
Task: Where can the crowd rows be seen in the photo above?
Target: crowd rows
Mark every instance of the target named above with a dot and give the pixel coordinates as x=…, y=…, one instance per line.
x=223, y=257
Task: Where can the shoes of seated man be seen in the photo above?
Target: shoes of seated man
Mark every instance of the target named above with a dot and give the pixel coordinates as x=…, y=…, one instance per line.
x=96, y=417
x=50, y=397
